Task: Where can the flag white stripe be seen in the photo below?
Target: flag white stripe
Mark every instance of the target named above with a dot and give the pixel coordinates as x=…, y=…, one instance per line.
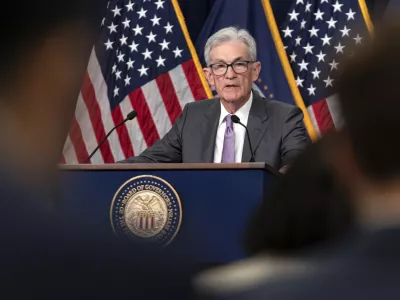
x=100, y=88
x=181, y=86
x=157, y=108
x=335, y=110
x=88, y=135
x=132, y=126
x=314, y=120
x=69, y=152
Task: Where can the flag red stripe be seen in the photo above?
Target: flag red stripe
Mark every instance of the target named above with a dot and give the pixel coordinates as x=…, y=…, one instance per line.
x=144, y=117
x=168, y=94
x=89, y=97
x=77, y=141
x=194, y=80
x=123, y=135
x=323, y=116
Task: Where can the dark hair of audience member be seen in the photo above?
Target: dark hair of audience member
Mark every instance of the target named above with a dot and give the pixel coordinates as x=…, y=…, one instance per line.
x=305, y=208
x=370, y=103
x=25, y=25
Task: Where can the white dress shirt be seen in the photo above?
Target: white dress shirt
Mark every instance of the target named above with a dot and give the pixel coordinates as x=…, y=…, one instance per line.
x=240, y=132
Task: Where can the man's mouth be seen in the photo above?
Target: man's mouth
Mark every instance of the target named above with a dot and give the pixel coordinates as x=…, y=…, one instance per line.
x=231, y=86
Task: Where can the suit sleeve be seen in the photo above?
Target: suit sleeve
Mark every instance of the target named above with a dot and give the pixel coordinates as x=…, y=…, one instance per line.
x=294, y=136
x=166, y=150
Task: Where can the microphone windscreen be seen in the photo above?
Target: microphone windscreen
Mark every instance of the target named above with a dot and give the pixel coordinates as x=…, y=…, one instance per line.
x=235, y=119
x=131, y=115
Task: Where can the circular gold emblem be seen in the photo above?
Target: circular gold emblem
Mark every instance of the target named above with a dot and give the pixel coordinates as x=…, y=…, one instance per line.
x=148, y=209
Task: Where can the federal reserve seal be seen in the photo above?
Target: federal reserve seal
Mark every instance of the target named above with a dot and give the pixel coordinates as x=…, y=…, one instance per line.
x=148, y=209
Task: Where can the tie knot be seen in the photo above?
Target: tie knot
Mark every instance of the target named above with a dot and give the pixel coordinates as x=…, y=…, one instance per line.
x=228, y=121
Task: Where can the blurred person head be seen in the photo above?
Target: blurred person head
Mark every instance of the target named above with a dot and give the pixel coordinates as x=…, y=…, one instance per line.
x=306, y=207
x=232, y=66
x=44, y=52
x=368, y=162
x=45, y=49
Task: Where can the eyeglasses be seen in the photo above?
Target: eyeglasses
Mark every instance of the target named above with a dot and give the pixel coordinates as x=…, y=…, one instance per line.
x=238, y=67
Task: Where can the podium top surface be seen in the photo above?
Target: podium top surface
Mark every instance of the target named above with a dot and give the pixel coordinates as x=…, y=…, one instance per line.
x=167, y=166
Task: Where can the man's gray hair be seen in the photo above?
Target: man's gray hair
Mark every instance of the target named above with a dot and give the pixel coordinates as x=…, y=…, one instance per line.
x=230, y=34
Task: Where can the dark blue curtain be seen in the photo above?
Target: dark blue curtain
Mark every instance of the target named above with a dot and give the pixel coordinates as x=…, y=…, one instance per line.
x=196, y=12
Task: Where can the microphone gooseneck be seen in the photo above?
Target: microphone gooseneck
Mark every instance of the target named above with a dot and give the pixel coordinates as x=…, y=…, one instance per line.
x=236, y=119
x=130, y=116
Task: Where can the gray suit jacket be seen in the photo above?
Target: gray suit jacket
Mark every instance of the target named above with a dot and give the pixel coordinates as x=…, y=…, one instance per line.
x=276, y=130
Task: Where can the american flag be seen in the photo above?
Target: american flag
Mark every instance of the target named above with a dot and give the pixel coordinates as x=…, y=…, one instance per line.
x=144, y=61
x=317, y=35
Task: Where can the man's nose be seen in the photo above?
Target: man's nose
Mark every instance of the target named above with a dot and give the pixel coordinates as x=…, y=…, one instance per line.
x=230, y=73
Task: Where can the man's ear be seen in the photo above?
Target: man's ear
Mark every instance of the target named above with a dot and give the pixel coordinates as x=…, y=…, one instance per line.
x=256, y=70
x=209, y=76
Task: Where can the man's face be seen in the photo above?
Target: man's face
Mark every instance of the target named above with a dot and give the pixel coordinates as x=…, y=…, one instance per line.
x=232, y=86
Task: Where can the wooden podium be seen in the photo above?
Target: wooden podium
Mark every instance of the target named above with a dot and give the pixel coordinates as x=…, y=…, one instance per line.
x=217, y=201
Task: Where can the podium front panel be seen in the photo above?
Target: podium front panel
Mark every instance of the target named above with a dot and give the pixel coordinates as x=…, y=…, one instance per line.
x=216, y=205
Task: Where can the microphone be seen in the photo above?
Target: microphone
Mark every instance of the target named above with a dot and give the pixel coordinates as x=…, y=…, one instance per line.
x=236, y=119
x=130, y=116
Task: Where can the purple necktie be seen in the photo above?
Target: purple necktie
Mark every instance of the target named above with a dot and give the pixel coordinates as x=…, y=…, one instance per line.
x=228, y=152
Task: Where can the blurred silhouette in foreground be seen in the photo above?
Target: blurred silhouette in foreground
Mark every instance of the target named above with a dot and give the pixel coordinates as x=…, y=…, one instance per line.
x=368, y=165
x=306, y=210
x=44, y=52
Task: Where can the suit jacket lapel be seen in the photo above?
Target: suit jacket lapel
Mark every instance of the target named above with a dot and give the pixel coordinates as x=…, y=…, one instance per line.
x=256, y=125
x=209, y=131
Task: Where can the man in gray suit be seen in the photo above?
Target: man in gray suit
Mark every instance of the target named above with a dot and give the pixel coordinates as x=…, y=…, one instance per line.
x=205, y=132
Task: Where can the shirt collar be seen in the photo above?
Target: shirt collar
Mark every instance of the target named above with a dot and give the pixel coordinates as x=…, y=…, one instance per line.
x=242, y=113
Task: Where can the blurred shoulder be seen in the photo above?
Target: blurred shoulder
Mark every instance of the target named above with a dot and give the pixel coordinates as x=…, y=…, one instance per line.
x=247, y=274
